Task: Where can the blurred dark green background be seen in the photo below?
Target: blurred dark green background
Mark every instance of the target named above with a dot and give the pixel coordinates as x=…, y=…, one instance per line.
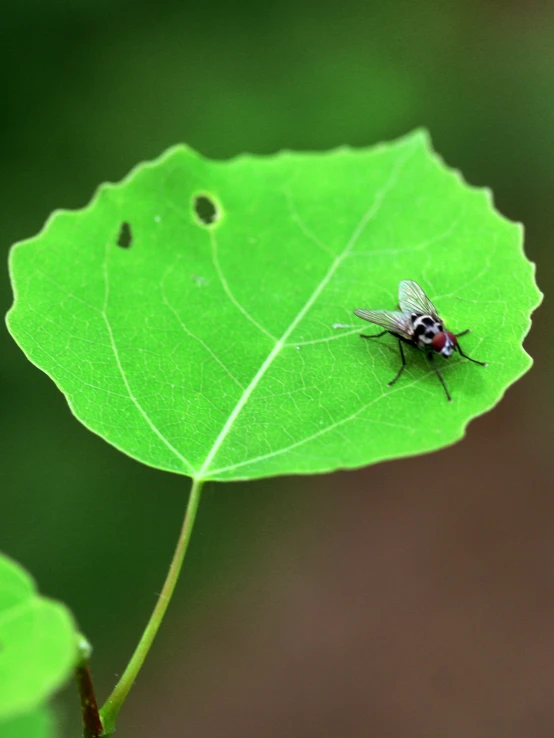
x=412, y=598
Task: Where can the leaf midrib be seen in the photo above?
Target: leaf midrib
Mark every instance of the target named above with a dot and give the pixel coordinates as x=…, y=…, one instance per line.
x=370, y=213
x=201, y=473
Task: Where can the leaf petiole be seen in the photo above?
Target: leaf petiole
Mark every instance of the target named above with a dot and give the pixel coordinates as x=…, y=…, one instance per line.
x=92, y=725
x=113, y=704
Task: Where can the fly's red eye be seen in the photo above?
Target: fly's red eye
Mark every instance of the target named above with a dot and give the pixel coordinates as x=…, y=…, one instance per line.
x=452, y=338
x=439, y=341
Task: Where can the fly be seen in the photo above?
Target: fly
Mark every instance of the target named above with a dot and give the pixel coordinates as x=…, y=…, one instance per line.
x=417, y=324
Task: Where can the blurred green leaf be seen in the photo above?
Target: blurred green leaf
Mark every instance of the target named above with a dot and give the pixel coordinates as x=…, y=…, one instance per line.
x=36, y=724
x=37, y=643
x=228, y=349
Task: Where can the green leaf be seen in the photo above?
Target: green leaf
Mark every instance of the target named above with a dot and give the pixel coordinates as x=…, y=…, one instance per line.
x=36, y=724
x=218, y=349
x=37, y=643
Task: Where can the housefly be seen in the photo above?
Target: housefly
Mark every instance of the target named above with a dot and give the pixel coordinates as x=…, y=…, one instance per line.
x=416, y=323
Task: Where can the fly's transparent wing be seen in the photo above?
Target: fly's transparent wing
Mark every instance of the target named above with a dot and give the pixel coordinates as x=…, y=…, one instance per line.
x=413, y=299
x=389, y=320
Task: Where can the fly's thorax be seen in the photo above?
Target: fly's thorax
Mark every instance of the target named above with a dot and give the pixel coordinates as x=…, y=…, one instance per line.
x=425, y=328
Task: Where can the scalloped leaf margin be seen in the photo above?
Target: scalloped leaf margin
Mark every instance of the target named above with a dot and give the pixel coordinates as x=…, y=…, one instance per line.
x=224, y=347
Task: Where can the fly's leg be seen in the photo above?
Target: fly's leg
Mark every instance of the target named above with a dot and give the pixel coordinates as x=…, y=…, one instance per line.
x=463, y=333
x=402, y=367
x=481, y=363
x=439, y=375
x=378, y=335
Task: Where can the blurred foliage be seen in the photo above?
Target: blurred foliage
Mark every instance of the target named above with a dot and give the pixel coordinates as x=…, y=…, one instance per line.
x=36, y=724
x=38, y=643
x=91, y=88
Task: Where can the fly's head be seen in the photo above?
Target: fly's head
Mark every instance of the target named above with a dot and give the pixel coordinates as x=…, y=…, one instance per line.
x=444, y=343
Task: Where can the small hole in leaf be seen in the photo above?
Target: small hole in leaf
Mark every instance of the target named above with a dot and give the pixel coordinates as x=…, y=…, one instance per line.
x=206, y=209
x=125, y=238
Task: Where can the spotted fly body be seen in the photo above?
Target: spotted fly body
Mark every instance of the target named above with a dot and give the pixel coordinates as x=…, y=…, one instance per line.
x=416, y=324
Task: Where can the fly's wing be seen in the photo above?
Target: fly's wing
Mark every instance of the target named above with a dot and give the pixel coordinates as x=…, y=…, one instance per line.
x=413, y=299
x=389, y=320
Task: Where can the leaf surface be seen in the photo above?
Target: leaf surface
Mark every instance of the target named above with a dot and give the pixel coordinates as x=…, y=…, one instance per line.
x=37, y=644
x=198, y=315
x=36, y=724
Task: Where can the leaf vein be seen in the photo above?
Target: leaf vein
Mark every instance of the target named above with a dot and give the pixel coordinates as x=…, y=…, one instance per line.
x=229, y=292
x=191, y=334
x=132, y=396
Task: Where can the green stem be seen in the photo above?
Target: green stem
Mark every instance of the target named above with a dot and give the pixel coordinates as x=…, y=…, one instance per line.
x=110, y=710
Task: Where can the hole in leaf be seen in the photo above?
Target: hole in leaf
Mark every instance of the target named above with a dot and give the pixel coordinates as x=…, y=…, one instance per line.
x=206, y=209
x=125, y=238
